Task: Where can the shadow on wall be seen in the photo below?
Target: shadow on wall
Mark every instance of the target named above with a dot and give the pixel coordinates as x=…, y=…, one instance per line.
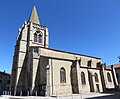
x=74, y=80
x=40, y=80
x=22, y=77
x=25, y=78
x=91, y=82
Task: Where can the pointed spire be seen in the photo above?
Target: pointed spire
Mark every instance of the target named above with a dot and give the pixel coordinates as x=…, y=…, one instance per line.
x=34, y=16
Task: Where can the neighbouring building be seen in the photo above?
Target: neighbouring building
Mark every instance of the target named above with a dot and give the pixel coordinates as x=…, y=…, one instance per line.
x=47, y=71
x=4, y=81
x=117, y=70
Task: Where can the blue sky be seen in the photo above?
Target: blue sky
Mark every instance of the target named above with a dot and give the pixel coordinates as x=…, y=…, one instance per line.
x=90, y=27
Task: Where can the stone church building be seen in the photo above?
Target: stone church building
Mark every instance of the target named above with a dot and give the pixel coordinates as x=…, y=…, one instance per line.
x=46, y=71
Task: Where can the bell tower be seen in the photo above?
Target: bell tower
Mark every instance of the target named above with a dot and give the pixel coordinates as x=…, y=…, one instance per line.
x=38, y=33
x=32, y=33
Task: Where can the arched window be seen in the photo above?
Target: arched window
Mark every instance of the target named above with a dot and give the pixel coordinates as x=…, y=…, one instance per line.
x=83, y=81
x=96, y=77
x=35, y=37
x=62, y=75
x=109, y=77
x=40, y=38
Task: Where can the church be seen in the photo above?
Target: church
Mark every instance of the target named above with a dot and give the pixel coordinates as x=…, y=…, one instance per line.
x=41, y=70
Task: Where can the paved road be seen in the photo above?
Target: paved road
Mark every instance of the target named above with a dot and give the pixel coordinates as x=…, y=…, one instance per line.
x=113, y=96
x=80, y=96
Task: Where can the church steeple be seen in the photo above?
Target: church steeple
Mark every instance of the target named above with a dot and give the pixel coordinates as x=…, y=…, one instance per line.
x=34, y=16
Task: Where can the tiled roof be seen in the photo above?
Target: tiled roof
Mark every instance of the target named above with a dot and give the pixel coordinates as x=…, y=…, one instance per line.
x=115, y=66
x=4, y=73
x=108, y=67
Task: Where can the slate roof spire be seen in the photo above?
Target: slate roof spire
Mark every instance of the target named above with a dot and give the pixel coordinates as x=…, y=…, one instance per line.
x=34, y=16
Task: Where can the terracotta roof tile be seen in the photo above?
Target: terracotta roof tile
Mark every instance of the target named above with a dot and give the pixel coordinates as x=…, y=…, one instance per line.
x=116, y=65
x=108, y=67
x=4, y=73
